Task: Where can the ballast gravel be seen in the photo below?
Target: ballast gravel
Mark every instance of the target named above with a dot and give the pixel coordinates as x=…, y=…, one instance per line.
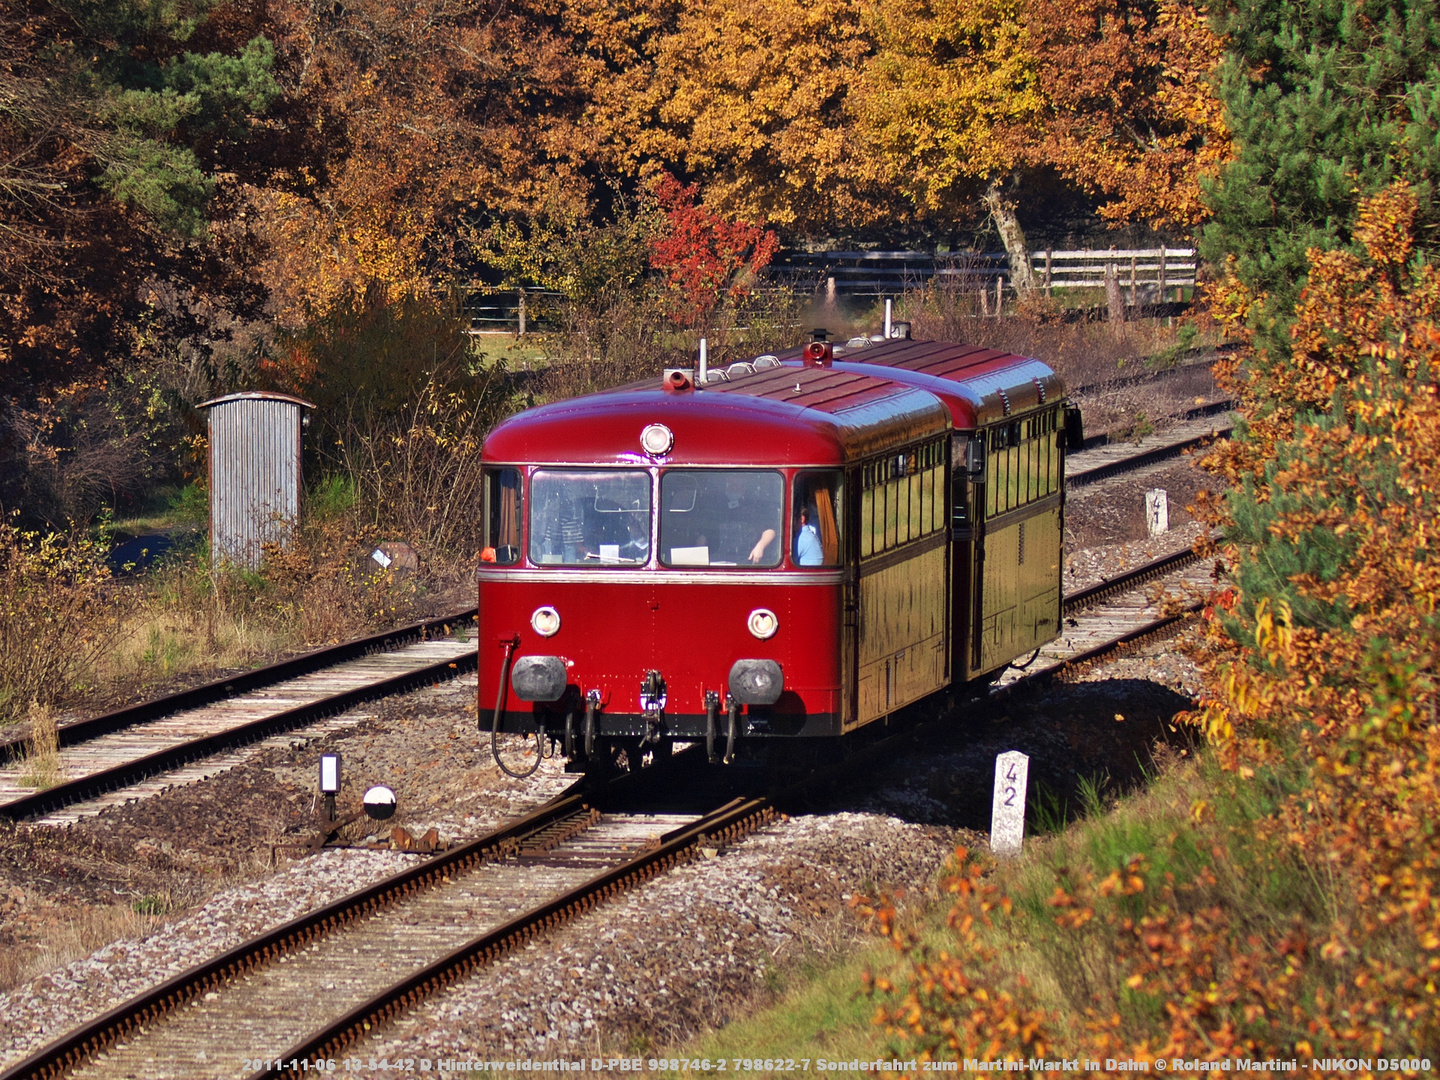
x=684, y=953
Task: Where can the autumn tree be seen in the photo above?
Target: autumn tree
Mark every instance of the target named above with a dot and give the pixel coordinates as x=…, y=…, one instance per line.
x=749, y=100
x=965, y=99
x=401, y=124
x=1329, y=102
x=705, y=259
x=116, y=121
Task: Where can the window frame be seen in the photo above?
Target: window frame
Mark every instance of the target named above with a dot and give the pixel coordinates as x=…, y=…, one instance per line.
x=782, y=532
x=590, y=564
x=903, y=497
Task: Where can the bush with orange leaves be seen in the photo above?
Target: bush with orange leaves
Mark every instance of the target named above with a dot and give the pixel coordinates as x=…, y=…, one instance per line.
x=1293, y=912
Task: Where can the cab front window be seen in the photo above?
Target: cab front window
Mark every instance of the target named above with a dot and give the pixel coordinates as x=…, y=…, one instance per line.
x=721, y=517
x=590, y=517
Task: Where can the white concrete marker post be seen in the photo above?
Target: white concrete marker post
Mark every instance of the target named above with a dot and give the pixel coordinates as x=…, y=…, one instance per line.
x=1007, y=814
x=1157, y=511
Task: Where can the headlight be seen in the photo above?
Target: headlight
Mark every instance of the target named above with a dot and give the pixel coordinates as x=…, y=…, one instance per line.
x=545, y=621
x=656, y=439
x=763, y=623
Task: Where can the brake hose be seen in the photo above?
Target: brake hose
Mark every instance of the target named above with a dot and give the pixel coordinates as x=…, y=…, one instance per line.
x=495, y=724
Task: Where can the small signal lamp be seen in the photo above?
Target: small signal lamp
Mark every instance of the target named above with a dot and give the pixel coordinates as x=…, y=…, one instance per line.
x=329, y=774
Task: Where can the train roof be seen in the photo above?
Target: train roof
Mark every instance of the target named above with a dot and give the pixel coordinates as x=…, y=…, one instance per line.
x=776, y=416
x=979, y=386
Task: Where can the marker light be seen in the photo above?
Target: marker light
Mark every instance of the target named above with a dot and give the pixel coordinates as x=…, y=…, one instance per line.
x=379, y=802
x=545, y=621
x=763, y=623
x=329, y=774
x=657, y=439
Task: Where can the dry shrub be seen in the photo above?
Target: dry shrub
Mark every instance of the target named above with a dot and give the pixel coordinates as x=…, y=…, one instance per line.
x=42, y=749
x=417, y=470
x=324, y=583
x=59, y=615
x=1084, y=352
x=633, y=339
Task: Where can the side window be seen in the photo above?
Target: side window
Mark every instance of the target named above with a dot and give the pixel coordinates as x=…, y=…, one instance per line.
x=501, y=540
x=902, y=498
x=815, y=519
x=1023, y=461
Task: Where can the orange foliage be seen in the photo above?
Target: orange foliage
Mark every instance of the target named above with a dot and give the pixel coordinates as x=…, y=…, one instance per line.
x=1131, y=114
x=413, y=117
x=1307, y=926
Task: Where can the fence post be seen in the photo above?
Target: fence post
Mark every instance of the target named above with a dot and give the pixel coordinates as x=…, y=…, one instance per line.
x=521, y=313
x=1134, y=270
x=1162, y=273
x=999, y=293
x=1048, y=287
x=1114, y=304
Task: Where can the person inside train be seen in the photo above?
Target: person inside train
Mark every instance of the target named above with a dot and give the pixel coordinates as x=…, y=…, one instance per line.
x=721, y=518
x=808, y=549
x=743, y=509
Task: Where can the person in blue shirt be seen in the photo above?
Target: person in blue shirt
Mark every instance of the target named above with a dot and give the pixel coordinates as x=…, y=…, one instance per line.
x=808, y=549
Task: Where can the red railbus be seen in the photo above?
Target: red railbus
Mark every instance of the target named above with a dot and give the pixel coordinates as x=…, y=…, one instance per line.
x=794, y=548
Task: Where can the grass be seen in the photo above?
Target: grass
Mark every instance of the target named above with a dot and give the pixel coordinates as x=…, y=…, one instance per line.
x=1176, y=826
x=75, y=934
x=42, y=749
x=820, y=1011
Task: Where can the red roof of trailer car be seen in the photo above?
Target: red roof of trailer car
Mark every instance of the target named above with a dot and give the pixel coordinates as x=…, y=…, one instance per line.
x=979, y=386
x=775, y=416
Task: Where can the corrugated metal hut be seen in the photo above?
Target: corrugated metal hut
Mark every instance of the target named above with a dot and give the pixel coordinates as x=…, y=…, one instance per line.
x=255, y=472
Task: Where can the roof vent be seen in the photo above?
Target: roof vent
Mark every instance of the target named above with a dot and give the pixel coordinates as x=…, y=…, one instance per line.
x=740, y=367
x=766, y=361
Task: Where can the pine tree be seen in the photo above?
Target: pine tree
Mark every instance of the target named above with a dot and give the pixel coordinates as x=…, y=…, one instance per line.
x=1329, y=101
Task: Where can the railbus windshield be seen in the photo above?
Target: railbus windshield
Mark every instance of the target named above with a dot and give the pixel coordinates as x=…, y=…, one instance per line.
x=590, y=517
x=721, y=517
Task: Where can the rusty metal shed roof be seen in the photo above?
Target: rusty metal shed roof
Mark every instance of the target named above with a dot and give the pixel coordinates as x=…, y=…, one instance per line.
x=256, y=395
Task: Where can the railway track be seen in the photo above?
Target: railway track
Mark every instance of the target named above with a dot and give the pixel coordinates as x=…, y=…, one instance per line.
x=308, y=990
x=1091, y=466
x=318, y=983
x=104, y=758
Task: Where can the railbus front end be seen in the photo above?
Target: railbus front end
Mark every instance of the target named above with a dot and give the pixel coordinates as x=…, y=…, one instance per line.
x=673, y=563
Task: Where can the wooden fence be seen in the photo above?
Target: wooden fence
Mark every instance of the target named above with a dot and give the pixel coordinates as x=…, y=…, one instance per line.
x=1144, y=275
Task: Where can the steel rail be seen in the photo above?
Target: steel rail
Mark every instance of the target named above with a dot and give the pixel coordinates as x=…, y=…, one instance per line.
x=736, y=818
x=1163, y=625
x=1142, y=459
x=99, y=783
x=95, y=1036
x=1090, y=596
x=81, y=731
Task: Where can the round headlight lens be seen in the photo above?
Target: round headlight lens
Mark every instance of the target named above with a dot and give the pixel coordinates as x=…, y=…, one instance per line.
x=656, y=439
x=545, y=621
x=763, y=623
